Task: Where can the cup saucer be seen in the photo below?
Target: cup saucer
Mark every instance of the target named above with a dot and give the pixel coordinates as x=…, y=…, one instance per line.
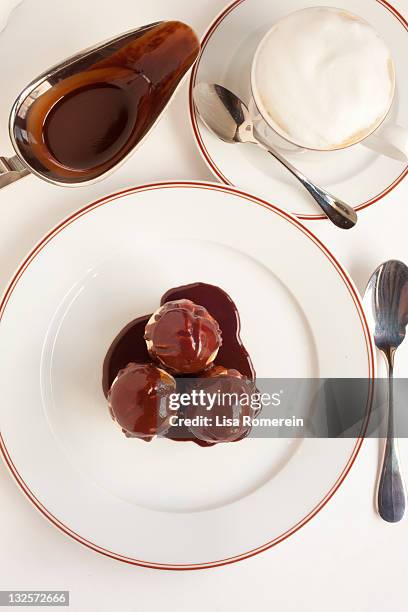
x=357, y=174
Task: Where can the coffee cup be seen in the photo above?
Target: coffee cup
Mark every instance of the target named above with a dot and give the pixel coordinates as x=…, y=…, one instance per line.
x=322, y=79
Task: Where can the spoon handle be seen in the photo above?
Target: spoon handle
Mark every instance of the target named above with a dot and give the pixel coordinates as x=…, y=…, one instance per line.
x=338, y=212
x=11, y=169
x=391, y=490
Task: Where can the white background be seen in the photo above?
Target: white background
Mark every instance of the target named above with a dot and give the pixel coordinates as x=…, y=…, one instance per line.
x=346, y=558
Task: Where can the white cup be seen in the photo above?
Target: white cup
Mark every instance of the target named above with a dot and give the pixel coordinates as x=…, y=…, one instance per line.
x=382, y=136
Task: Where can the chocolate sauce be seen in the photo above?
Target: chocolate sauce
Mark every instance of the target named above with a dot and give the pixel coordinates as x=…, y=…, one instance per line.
x=101, y=119
x=232, y=353
x=183, y=337
x=103, y=104
x=130, y=346
x=138, y=401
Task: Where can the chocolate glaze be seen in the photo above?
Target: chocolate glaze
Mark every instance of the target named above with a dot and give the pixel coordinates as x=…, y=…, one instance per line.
x=227, y=382
x=138, y=400
x=103, y=104
x=232, y=353
x=130, y=346
x=183, y=337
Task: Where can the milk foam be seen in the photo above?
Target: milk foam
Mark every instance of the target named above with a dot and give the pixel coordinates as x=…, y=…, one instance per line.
x=324, y=78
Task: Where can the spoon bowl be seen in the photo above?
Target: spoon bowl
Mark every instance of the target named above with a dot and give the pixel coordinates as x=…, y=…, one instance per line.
x=386, y=297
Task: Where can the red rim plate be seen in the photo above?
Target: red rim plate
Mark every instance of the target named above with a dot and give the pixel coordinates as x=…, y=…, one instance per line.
x=325, y=251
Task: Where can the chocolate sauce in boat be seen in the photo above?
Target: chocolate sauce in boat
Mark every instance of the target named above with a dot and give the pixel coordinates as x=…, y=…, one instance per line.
x=89, y=120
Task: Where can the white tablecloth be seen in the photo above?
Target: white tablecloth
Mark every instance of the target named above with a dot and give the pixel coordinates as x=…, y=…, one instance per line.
x=346, y=558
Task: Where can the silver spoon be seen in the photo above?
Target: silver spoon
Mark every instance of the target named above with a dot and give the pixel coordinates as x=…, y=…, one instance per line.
x=386, y=301
x=226, y=116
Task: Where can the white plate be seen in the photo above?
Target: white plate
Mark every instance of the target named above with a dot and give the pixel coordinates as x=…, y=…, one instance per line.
x=168, y=504
x=356, y=174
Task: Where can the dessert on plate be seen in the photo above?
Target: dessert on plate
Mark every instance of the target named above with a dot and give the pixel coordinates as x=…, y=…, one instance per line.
x=162, y=368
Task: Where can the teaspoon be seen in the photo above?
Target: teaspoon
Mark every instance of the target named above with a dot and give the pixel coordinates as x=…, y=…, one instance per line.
x=386, y=301
x=226, y=116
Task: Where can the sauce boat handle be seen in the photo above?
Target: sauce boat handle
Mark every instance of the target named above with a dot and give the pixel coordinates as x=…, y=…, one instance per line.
x=11, y=169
